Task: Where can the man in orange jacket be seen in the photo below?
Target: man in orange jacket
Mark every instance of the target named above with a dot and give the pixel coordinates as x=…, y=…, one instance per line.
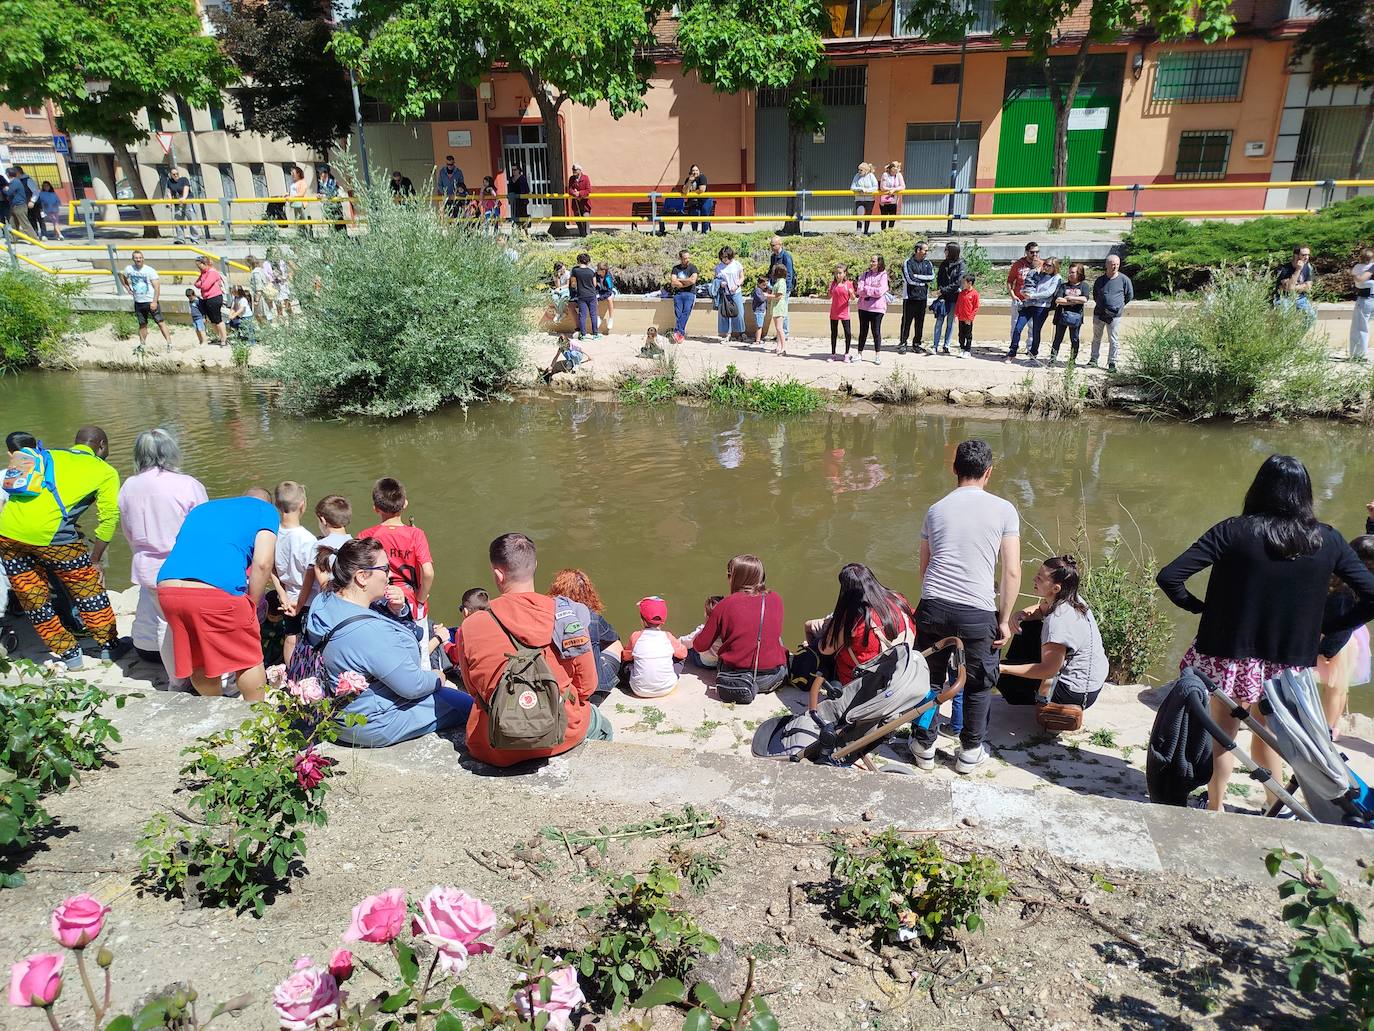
x=557, y=625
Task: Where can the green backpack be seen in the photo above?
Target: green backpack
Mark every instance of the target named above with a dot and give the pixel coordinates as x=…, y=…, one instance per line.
x=526, y=710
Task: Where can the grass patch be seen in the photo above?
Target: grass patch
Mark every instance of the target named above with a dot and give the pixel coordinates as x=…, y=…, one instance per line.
x=899, y=388
x=706, y=729
x=650, y=717
x=634, y=389
x=731, y=389
x=1103, y=738
x=1060, y=394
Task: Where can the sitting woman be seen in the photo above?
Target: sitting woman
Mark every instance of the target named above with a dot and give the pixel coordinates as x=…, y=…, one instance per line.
x=1073, y=664
x=867, y=621
x=358, y=620
x=747, y=623
x=575, y=585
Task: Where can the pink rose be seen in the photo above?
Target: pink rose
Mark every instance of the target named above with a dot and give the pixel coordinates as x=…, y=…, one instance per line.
x=564, y=997
x=341, y=965
x=452, y=921
x=37, y=980
x=276, y=675
x=78, y=921
x=310, y=768
x=307, y=690
x=305, y=998
x=378, y=918
x=350, y=683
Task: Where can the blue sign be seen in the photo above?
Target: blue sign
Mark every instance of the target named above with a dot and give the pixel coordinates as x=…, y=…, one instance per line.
x=59, y=144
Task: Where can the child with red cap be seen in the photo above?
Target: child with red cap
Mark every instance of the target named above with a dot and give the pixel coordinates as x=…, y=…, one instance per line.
x=653, y=656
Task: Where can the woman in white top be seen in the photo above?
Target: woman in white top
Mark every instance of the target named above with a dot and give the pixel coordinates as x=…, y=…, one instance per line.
x=1073, y=663
x=300, y=189
x=890, y=200
x=729, y=284
x=1363, y=276
x=865, y=187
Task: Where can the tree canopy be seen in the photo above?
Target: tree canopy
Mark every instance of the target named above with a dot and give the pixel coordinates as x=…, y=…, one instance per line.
x=149, y=50
x=1340, y=41
x=294, y=86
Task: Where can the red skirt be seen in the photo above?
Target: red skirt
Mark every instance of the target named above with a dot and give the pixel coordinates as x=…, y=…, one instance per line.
x=212, y=630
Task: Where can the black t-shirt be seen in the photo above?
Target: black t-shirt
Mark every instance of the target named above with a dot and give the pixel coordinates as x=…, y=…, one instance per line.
x=584, y=282
x=684, y=272
x=1298, y=277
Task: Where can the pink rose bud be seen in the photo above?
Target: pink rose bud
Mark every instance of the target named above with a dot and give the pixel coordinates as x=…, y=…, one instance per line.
x=310, y=768
x=78, y=921
x=307, y=997
x=350, y=683
x=37, y=980
x=564, y=997
x=341, y=964
x=378, y=918
x=276, y=675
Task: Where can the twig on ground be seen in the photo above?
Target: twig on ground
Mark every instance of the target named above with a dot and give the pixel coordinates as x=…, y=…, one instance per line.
x=835, y=955
x=480, y=861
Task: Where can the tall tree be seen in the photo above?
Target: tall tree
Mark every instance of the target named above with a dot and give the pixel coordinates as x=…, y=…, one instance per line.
x=1037, y=25
x=294, y=86
x=1340, y=42
x=584, y=52
x=147, y=50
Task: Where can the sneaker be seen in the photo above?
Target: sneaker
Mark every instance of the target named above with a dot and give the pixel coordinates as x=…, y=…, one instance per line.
x=1111, y=366
x=116, y=649
x=966, y=761
x=724, y=341
x=964, y=352
x=919, y=349
x=944, y=350
x=849, y=359
x=678, y=337
x=72, y=662
x=837, y=358
x=948, y=729
x=901, y=348
x=877, y=359
x=924, y=758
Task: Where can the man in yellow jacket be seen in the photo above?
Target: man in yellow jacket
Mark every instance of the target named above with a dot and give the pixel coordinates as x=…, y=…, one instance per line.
x=38, y=538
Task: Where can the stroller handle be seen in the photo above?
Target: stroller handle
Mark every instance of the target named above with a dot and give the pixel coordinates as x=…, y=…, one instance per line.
x=958, y=686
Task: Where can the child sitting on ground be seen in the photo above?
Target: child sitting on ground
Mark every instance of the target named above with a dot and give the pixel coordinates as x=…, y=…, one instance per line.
x=272, y=630
x=558, y=292
x=334, y=513
x=197, y=315
x=653, y=656
x=295, y=554
x=474, y=600
x=568, y=358
x=651, y=348
x=758, y=303
x=706, y=659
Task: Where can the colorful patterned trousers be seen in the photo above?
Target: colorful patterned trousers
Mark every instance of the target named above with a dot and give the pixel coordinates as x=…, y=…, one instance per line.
x=27, y=566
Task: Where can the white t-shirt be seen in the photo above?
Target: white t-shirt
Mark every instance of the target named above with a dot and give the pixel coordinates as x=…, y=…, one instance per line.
x=329, y=540
x=295, y=551
x=964, y=530
x=1085, y=660
x=141, y=282
x=1364, y=289
x=651, y=669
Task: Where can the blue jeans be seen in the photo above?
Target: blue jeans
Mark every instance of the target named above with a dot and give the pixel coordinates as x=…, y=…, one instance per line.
x=735, y=325
x=944, y=319
x=683, y=304
x=1028, y=317
x=586, y=316
x=445, y=709
x=1299, y=301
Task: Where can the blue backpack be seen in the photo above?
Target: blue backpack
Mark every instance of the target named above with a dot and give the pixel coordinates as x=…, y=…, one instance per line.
x=30, y=473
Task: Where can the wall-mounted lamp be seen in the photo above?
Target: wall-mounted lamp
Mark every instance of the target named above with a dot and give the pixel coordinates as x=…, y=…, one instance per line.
x=1138, y=64
x=97, y=86
x=486, y=94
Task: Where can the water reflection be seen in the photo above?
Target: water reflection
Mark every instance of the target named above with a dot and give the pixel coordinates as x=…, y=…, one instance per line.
x=653, y=501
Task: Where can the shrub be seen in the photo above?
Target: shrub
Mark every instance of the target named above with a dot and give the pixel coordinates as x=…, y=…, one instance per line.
x=1169, y=254
x=414, y=313
x=1136, y=632
x=35, y=314
x=730, y=389
x=1237, y=354
x=908, y=889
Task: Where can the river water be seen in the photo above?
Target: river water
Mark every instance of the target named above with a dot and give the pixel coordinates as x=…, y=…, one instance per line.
x=654, y=501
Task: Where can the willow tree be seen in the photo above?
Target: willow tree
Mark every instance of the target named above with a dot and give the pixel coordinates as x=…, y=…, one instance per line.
x=1037, y=26
x=584, y=52
x=104, y=62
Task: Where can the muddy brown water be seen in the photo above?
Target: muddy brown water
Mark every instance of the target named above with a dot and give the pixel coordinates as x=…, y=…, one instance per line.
x=654, y=501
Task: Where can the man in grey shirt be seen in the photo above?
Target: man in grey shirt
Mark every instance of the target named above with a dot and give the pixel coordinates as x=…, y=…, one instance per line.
x=965, y=534
x=1112, y=291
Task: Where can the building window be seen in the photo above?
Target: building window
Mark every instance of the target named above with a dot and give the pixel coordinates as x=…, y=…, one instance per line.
x=984, y=18
x=1326, y=144
x=259, y=174
x=1203, y=155
x=184, y=115
x=244, y=100
x=846, y=85
x=217, y=117
x=460, y=108
x=1200, y=75
x=945, y=75
x=227, y=187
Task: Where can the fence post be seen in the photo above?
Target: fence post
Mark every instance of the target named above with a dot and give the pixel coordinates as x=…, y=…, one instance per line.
x=114, y=269
x=9, y=246
x=1328, y=192
x=1135, y=202
x=801, y=210
x=87, y=209
x=224, y=268
x=226, y=217
x=653, y=212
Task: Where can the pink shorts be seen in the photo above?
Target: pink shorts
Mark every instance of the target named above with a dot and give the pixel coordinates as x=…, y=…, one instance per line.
x=212, y=630
x=1242, y=679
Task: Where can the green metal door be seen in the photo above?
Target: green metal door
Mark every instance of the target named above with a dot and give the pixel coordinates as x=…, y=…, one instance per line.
x=1025, y=155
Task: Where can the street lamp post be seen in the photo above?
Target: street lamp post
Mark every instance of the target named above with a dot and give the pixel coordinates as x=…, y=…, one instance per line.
x=958, y=118
x=358, y=122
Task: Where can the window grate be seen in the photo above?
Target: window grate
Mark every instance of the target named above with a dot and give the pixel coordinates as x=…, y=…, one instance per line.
x=845, y=86
x=1203, y=154
x=1201, y=75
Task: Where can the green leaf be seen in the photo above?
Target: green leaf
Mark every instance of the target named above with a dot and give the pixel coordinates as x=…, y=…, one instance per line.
x=405, y=959
x=662, y=992
x=395, y=1000
x=710, y=998
x=448, y=1021
x=697, y=1020
x=121, y=1023
x=464, y=1000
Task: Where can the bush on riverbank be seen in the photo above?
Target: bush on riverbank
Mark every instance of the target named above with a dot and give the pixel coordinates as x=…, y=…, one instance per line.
x=406, y=317
x=35, y=313
x=1237, y=354
x=1165, y=255
x=728, y=389
x=640, y=261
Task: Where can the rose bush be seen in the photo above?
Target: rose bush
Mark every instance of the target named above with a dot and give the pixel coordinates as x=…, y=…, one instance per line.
x=311, y=994
x=452, y=921
x=565, y=995
x=378, y=918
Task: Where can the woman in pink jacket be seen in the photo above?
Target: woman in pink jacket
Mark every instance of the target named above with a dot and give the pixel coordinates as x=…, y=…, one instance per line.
x=890, y=200
x=872, y=291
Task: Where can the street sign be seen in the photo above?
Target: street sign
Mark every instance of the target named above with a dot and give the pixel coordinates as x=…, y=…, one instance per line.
x=59, y=144
x=165, y=139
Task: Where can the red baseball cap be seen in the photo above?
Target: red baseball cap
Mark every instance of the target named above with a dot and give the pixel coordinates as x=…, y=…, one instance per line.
x=653, y=610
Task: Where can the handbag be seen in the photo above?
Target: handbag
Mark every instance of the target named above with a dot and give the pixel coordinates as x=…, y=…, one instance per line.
x=728, y=308
x=1056, y=717
x=735, y=685
x=1068, y=316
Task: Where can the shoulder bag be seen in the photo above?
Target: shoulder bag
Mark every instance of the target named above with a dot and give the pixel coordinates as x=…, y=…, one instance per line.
x=737, y=685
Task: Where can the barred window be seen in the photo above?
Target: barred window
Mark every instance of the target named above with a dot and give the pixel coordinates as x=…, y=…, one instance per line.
x=846, y=85
x=1203, y=154
x=1200, y=75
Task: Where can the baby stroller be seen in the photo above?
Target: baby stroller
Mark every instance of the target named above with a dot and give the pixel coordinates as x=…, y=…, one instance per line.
x=886, y=694
x=1184, y=733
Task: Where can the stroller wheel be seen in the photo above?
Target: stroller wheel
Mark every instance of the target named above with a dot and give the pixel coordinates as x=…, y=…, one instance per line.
x=898, y=768
x=9, y=641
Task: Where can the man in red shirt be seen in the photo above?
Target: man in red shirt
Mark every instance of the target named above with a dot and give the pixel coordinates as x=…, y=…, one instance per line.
x=407, y=547
x=580, y=189
x=1016, y=278
x=557, y=625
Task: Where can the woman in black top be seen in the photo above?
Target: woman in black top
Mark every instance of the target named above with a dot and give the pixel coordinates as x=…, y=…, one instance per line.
x=517, y=195
x=1265, y=597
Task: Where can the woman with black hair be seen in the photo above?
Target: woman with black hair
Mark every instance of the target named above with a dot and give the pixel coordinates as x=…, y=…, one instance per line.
x=1073, y=663
x=1263, y=614
x=868, y=620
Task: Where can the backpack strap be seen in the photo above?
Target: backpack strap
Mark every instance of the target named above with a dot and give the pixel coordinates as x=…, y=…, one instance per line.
x=515, y=641
x=337, y=627
x=50, y=480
